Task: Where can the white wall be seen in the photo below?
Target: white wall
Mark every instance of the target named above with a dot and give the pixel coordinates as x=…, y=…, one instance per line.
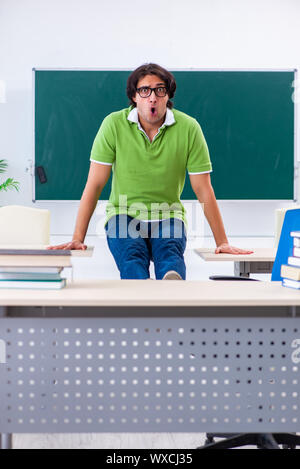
x=124, y=34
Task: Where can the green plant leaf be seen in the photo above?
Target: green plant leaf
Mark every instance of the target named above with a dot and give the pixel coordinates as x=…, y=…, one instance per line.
x=3, y=166
x=9, y=184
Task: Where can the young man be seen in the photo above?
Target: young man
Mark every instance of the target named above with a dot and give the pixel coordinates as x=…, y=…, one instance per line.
x=149, y=146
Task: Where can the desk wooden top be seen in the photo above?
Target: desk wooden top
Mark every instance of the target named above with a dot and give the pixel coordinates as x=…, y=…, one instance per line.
x=259, y=255
x=156, y=293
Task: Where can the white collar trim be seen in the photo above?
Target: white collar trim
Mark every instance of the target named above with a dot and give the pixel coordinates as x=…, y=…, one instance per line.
x=133, y=117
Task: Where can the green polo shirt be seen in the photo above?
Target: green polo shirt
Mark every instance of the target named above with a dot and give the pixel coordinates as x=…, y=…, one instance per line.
x=148, y=177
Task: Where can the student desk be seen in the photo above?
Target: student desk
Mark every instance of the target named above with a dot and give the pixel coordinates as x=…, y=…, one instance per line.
x=260, y=261
x=149, y=356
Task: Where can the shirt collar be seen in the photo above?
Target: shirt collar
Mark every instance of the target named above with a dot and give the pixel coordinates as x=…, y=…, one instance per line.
x=133, y=117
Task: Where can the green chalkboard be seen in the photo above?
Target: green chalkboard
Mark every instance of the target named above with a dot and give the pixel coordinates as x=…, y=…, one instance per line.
x=247, y=118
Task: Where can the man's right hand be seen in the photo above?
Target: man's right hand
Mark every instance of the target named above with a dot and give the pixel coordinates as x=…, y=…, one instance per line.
x=75, y=244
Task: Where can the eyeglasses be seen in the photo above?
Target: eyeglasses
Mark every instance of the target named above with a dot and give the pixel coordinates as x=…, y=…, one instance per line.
x=145, y=91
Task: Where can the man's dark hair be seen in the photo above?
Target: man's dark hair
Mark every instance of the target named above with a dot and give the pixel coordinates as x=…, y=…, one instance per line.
x=151, y=69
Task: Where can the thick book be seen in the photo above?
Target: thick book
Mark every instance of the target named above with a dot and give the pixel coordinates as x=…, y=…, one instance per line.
x=28, y=276
x=36, y=270
x=296, y=252
x=296, y=238
x=294, y=261
x=295, y=234
x=34, y=284
x=286, y=282
x=11, y=260
x=290, y=272
x=296, y=242
x=35, y=252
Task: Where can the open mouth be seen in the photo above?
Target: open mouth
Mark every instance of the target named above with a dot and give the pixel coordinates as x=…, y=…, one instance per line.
x=153, y=111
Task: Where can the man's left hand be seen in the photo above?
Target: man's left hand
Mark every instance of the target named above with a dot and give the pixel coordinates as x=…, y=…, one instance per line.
x=226, y=248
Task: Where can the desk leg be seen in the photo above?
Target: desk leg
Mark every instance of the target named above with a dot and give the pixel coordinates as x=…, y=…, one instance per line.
x=5, y=440
x=242, y=269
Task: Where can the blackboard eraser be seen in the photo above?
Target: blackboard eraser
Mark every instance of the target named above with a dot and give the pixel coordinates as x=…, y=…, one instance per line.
x=41, y=174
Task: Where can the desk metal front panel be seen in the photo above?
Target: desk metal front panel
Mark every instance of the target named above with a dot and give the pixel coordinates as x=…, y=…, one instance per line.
x=149, y=374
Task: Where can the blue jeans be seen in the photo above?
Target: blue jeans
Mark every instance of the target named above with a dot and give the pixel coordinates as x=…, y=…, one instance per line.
x=134, y=243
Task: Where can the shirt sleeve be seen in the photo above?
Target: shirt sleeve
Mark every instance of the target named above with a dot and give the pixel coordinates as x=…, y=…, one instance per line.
x=198, y=158
x=104, y=146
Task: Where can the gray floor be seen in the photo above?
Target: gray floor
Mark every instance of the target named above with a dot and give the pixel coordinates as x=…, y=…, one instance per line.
x=101, y=266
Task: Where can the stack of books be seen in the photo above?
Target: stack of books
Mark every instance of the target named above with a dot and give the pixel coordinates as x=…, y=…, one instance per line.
x=33, y=268
x=290, y=273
